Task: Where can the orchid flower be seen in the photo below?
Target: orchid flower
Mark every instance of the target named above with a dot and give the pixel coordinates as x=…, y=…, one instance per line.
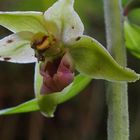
x=54, y=41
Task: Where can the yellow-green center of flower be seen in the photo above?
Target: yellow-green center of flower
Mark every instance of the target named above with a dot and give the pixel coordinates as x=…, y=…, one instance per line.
x=45, y=46
x=40, y=41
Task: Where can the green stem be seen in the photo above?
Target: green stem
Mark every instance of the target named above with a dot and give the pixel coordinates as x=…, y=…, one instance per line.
x=117, y=99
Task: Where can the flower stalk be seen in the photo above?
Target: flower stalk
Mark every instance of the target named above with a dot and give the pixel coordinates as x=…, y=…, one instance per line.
x=117, y=98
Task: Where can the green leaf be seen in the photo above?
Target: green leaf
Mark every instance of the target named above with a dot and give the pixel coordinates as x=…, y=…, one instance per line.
x=63, y=21
x=23, y=21
x=48, y=103
x=16, y=48
x=22, y=108
x=92, y=59
x=132, y=37
x=134, y=17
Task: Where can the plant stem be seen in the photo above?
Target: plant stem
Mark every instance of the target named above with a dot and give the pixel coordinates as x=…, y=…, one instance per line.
x=117, y=99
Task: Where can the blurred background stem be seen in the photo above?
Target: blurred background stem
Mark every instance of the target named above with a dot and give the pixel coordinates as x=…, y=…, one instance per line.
x=117, y=98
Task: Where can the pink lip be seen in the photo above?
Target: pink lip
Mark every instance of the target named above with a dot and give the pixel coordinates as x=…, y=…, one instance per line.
x=57, y=74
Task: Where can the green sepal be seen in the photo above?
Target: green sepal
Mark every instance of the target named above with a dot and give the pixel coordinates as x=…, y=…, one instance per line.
x=92, y=59
x=23, y=21
x=48, y=103
x=132, y=37
x=28, y=106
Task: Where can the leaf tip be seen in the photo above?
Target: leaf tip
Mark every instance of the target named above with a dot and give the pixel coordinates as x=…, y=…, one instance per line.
x=132, y=75
x=48, y=115
x=47, y=106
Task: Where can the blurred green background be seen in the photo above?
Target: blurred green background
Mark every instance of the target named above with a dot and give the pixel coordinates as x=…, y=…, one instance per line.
x=82, y=118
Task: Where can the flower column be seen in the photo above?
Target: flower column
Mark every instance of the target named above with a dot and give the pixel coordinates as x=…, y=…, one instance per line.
x=117, y=100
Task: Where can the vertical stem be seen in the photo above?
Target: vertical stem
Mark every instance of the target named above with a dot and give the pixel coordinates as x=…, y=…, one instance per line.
x=117, y=99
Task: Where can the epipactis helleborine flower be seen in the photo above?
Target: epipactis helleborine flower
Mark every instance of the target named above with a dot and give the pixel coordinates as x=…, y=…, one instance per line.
x=54, y=40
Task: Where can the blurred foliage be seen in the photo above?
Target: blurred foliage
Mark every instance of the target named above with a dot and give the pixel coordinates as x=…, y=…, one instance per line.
x=132, y=32
x=124, y=2
x=132, y=36
x=134, y=16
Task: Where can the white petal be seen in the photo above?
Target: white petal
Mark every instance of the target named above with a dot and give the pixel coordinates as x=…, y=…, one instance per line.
x=38, y=79
x=23, y=21
x=16, y=48
x=63, y=21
